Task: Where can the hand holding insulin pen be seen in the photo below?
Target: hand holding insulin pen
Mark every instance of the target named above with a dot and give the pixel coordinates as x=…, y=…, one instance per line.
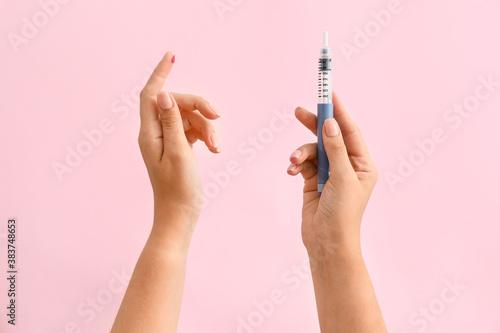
x=325, y=109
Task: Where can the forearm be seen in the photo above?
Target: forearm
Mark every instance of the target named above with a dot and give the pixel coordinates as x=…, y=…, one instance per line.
x=345, y=297
x=153, y=298
x=170, y=125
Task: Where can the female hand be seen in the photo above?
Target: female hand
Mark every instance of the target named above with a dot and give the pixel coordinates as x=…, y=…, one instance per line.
x=332, y=221
x=170, y=124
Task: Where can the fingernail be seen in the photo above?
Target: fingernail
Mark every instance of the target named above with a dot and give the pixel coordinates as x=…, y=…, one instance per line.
x=173, y=59
x=164, y=100
x=291, y=167
x=296, y=154
x=331, y=127
x=213, y=141
x=214, y=109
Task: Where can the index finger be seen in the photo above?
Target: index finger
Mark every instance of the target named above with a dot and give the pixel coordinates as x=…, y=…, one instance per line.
x=308, y=119
x=157, y=79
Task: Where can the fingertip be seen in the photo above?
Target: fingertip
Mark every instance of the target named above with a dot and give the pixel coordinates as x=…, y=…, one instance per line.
x=213, y=150
x=214, y=110
x=165, y=101
x=169, y=56
x=294, y=157
x=298, y=110
x=331, y=127
x=214, y=142
x=157, y=79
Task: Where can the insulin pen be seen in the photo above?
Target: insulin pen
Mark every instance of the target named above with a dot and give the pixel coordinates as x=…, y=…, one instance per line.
x=325, y=109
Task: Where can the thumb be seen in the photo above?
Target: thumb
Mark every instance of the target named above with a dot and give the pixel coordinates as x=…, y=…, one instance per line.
x=340, y=165
x=171, y=121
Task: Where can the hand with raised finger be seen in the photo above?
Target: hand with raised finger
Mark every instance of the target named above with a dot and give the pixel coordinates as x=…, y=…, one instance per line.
x=334, y=218
x=170, y=124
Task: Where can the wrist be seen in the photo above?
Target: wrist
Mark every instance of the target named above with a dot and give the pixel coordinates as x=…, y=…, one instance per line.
x=342, y=263
x=188, y=207
x=182, y=215
x=174, y=243
x=325, y=254
x=172, y=231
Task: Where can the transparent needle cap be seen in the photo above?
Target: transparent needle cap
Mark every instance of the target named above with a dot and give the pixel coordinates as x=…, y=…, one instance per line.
x=325, y=72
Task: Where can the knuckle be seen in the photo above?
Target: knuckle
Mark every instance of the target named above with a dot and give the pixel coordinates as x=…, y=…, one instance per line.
x=306, y=167
x=308, y=170
x=200, y=100
x=141, y=141
x=357, y=129
x=375, y=175
x=309, y=147
x=208, y=128
x=309, y=150
x=143, y=93
x=168, y=122
x=177, y=154
x=338, y=147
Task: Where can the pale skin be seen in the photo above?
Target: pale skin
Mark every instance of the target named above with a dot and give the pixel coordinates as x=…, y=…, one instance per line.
x=170, y=124
x=153, y=298
x=331, y=223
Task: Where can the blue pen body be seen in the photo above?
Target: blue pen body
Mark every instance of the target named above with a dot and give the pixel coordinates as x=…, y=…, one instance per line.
x=325, y=111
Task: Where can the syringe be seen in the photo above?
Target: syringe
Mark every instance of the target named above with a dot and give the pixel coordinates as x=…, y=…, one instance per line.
x=325, y=109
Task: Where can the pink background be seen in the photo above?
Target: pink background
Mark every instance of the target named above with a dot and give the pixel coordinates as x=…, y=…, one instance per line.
x=86, y=64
